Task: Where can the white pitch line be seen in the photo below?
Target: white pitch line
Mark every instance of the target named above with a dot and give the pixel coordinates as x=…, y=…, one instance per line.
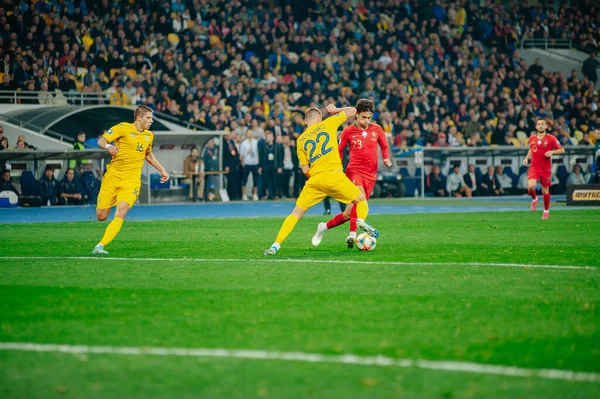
x=379, y=360
x=283, y=260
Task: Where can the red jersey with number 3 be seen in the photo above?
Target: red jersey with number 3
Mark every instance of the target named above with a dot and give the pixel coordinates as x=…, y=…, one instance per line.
x=539, y=148
x=364, y=157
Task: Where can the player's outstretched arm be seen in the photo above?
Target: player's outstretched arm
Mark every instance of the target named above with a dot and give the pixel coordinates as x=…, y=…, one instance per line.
x=349, y=111
x=112, y=149
x=151, y=159
x=385, y=150
x=555, y=152
x=343, y=142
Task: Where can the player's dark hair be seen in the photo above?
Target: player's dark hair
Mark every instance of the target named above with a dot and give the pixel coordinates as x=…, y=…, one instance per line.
x=364, y=105
x=141, y=110
x=543, y=118
x=311, y=112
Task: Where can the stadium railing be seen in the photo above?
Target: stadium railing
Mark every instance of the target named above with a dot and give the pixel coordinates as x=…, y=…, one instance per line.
x=546, y=44
x=415, y=164
x=78, y=99
x=18, y=161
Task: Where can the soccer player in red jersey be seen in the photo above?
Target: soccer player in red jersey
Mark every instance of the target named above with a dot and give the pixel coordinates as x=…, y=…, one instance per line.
x=363, y=138
x=541, y=148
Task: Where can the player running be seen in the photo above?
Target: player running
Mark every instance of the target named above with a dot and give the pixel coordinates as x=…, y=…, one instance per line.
x=122, y=181
x=363, y=139
x=541, y=148
x=320, y=162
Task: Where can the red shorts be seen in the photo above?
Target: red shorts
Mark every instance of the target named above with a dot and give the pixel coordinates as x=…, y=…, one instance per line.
x=363, y=181
x=543, y=177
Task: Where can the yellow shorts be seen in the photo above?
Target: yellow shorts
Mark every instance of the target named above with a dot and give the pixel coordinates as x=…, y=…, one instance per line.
x=327, y=184
x=114, y=190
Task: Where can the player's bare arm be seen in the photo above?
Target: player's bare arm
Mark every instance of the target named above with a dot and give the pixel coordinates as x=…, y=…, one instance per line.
x=555, y=152
x=527, y=158
x=151, y=159
x=305, y=170
x=112, y=149
x=349, y=111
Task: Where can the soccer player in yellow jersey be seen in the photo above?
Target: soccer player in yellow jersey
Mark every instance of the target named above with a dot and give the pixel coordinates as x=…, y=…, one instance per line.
x=122, y=181
x=320, y=162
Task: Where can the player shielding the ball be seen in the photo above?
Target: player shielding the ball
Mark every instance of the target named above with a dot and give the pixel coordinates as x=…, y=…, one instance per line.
x=320, y=162
x=363, y=138
x=541, y=148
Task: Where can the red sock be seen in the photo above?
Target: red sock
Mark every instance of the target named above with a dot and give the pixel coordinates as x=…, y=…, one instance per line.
x=547, y=202
x=353, y=219
x=532, y=193
x=336, y=221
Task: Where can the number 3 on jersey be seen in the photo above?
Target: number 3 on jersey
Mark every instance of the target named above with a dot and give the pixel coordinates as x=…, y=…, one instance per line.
x=321, y=137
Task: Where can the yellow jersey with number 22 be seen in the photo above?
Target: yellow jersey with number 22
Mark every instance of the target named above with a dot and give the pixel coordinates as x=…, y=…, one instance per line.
x=317, y=145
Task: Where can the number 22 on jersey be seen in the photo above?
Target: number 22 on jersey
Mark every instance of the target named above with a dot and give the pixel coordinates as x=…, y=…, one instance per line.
x=319, y=145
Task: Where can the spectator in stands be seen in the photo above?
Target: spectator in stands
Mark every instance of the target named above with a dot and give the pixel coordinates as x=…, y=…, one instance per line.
x=589, y=68
x=192, y=166
x=7, y=85
x=6, y=184
x=576, y=177
x=435, y=183
x=78, y=145
x=118, y=97
x=489, y=184
x=271, y=163
x=1, y=134
x=44, y=96
x=49, y=186
x=21, y=146
x=249, y=154
x=504, y=181
x=70, y=191
x=233, y=166
x=456, y=185
x=522, y=185
x=289, y=164
x=472, y=180
x=4, y=144
x=210, y=157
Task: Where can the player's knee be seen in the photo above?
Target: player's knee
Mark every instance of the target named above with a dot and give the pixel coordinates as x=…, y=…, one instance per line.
x=122, y=209
x=101, y=215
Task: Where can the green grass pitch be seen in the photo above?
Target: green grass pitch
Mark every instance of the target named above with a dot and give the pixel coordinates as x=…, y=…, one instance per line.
x=454, y=309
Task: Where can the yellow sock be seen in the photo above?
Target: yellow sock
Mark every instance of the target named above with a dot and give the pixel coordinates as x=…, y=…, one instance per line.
x=286, y=228
x=111, y=231
x=362, y=210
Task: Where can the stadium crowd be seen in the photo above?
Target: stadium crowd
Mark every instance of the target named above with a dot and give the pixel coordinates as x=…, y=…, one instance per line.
x=441, y=73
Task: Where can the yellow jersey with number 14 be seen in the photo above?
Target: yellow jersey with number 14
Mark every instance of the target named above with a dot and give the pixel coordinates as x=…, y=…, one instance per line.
x=317, y=146
x=133, y=148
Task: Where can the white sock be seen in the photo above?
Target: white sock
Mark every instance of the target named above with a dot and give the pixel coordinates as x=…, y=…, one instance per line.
x=352, y=234
x=276, y=246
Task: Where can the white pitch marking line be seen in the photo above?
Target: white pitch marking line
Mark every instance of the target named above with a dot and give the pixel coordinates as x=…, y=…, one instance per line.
x=379, y=360
x=283, y=260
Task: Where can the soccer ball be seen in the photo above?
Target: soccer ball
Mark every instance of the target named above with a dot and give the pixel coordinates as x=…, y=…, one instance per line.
x=365, y=242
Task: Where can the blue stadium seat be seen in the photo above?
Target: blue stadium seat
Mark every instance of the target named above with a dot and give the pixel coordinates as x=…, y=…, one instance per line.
x=562, y=174
x=29, y=186
x=522, y=169
x=509, y=172
x=91, y=185
x=155, y=183
x=478, y=172
x=410, y=183
x=404, y=172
